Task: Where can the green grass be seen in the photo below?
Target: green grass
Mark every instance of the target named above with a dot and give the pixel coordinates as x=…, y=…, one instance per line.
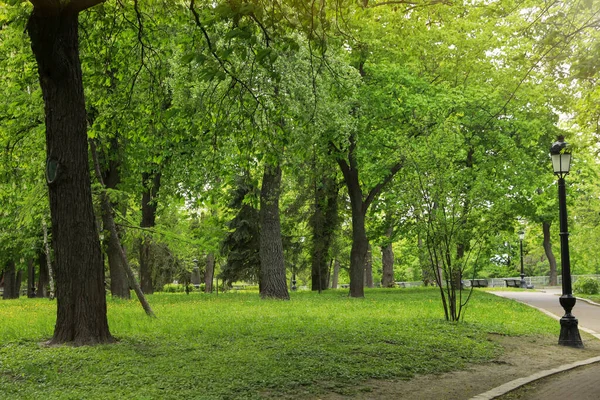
x=593, y=297
x=236, y=346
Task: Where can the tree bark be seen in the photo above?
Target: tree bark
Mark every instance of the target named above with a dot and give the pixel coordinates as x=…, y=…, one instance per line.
x=369, y=268
x=81, y=309
x=336, y=274
x=43, y=281
x=18, y=280
x=323, y=223
x=119, y=286
x=210, y=273
x=550, y=254
x=360, y=244
x=151, y=184
x=387, y=262
x=272, y=266
x=10, y=281
x=30, y=279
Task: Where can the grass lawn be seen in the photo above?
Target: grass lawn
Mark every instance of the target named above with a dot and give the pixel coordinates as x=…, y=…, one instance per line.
x=236, y=346
x=593, y=297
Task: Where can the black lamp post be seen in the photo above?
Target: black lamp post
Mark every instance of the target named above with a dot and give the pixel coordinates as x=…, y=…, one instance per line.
x=561, y=162
x=521, y=237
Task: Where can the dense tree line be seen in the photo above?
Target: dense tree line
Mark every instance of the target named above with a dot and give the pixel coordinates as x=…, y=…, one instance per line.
x=280, y=139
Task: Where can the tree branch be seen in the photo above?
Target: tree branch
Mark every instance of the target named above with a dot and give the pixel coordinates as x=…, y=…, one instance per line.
x=214, y=53
x=375, y=191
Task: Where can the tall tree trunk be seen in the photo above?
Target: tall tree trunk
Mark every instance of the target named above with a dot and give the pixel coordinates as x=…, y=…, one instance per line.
x=369, y=268
x=43, y=281
x=323, y=223
x=336, y=274
x=549, y=253
x=10, y=281
x=360, y=242
x=210, y=273
x=387, y=261
x=272, y=266
x=18, y=280
x=359, y=207
x=81, y=309
x=151, y=184
x=119, y=286
x=358, y=252
x=30, y=278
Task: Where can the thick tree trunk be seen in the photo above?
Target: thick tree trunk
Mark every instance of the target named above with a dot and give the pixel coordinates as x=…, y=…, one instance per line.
x=43, y=281
x=387, y=262
x=369, y=268
x=550, y=254
x=358, y=254
x=151, y=184
x=81, y=309
x=359, y=233
x=119, y=286
x=30, y=279
x=336, y=274
x=10, y=281
x=360, y=242
x=210, y=273
x=272, y=266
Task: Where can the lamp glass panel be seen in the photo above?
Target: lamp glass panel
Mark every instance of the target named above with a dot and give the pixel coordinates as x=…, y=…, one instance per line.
x=565, y=160
x=561, y=163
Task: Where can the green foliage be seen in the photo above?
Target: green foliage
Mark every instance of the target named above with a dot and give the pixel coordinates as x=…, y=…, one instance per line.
x=586, y=285
x=236, y=346
x=241, y=244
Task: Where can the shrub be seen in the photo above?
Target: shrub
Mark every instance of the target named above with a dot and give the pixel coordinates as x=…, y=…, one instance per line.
x=586, y=286
x=174, y=288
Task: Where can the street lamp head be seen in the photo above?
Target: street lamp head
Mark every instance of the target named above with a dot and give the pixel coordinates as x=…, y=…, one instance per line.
x=521, y=234
x=561, y=156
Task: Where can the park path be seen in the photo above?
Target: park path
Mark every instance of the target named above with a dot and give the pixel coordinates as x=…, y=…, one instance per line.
x=547, y=300
x=581, y=383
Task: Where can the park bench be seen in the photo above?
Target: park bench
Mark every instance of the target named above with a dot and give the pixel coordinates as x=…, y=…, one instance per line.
x=479, y=282
x=516, y=283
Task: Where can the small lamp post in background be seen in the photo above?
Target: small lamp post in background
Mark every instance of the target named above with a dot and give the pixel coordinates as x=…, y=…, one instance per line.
x=561, y=163
x=521, y=237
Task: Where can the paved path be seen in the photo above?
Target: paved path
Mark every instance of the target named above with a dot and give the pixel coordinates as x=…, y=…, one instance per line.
x=581, y=383
x=547, y=300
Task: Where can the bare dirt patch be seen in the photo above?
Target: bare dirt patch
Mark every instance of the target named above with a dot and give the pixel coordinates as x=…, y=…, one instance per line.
x=523, y=356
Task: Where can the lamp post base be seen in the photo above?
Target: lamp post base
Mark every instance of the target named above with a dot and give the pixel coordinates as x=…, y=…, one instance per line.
x=569, y=332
